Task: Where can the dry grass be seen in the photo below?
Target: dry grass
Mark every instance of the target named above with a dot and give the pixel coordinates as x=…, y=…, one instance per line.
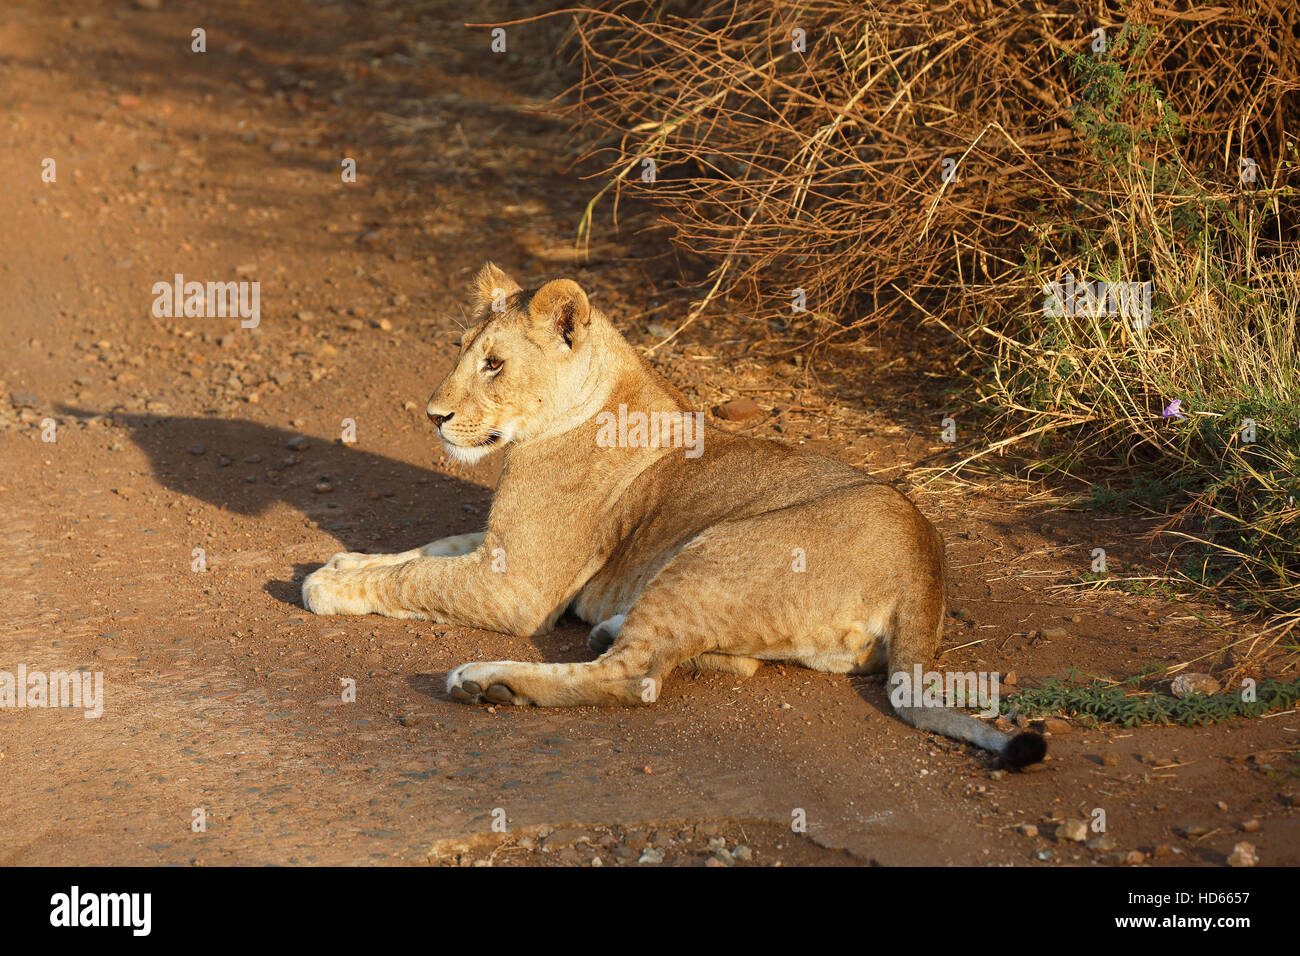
x=947, y=163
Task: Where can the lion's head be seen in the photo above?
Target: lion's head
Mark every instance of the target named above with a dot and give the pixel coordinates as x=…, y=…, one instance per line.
x=525, y=369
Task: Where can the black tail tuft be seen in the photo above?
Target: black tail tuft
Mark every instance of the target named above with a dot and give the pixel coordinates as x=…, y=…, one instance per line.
x=1024, y=749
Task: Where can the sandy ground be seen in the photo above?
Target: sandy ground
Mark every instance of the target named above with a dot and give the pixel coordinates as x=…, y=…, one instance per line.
x=223, y=696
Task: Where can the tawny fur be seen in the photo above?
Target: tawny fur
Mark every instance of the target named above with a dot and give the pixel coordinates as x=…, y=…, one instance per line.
x=753, y=551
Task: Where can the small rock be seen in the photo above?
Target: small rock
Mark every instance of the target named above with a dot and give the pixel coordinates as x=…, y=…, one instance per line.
x=742, y=854
x=1056, y=726
x=651, y=855
x=198, y=449
x=322, y=487
x=738, y=410
x=1102, y=844
x=1076, y=831
x=1110, y=759
x=297, y=442
x=1162, y=851
x=1184, y=685
x=1029, y=829
x=1054, y=633
x=409, y=720
x=1243, y=854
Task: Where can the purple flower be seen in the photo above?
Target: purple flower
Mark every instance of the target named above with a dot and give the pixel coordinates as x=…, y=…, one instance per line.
x=1173, y=411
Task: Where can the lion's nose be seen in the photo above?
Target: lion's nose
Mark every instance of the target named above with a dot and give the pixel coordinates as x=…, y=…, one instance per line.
x=437, y=419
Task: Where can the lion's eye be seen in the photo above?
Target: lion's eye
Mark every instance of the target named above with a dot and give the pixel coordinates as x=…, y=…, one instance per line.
x=492, y=363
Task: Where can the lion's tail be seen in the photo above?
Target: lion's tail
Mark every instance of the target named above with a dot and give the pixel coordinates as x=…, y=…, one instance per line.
x=915, y=639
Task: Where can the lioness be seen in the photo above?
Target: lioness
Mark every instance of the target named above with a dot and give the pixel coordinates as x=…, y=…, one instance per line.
x=720, y=550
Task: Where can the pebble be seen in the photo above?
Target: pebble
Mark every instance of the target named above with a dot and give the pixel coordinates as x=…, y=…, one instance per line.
x=1029, y=829
x=1243, y=854
x=651, y=855
x=738, y=410
x=1056, y=726
x=1250, y=826
x=198, y=449
x=1185, y=685
x=1110, y=759
x=297, y=442
x=1076, y=831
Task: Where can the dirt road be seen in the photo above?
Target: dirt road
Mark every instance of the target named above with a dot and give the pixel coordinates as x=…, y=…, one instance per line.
x=197, y=469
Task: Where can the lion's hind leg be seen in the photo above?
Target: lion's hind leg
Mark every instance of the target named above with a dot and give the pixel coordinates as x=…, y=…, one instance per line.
x=630, y=672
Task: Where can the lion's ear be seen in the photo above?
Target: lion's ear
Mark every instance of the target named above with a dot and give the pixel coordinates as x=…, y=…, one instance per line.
x=562, y=305
x=491, y=285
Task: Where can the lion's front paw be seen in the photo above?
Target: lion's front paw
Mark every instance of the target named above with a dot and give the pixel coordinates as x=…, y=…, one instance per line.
x=330, y=591
x=479, y=683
